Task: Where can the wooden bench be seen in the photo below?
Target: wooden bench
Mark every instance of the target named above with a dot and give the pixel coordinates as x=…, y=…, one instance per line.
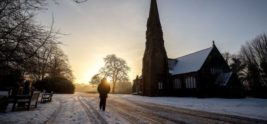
x=46, y=97
x=25, y=100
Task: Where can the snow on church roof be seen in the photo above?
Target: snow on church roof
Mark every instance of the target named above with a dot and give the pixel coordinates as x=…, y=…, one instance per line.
x=190, y=63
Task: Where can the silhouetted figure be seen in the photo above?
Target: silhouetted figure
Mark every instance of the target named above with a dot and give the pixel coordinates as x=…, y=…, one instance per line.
x=103, y=89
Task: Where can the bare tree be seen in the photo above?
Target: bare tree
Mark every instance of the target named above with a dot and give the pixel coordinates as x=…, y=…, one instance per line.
x=254, y=55
x=20, y=37
x=95, y=80
x=59, y=65
x=115, y=68
x=29, y=47
x=238, y=67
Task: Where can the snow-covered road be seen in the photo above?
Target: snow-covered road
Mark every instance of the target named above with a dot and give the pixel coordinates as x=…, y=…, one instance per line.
x=82, y=108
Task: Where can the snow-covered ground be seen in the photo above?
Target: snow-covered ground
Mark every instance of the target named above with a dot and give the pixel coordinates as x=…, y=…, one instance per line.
x=34, y=116
x=64, y=109
x=248, y=107
x=83, y=108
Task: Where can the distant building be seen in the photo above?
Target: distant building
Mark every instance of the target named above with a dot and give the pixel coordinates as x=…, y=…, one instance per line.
x=204, y=73
x=137, y=86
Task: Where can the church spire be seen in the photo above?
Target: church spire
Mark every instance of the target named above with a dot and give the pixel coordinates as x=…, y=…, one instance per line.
x=155, y=61
x=153, y=19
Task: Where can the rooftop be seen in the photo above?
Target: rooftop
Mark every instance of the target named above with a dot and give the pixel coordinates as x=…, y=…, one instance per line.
x=191, y=62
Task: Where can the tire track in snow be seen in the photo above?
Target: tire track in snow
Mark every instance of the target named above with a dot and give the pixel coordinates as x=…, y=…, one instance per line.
x=171, y=115
x=129, y=111
x=128, y=115
x=192, y=116
x=132, y=115
x=53, y=117
x=136, y=114
x=96, y=116
x=110, y=115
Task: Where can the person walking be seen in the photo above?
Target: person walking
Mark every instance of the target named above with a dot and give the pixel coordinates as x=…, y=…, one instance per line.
x=103, y=89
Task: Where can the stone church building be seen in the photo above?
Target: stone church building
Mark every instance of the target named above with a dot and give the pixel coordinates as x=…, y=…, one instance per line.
x=204, y=73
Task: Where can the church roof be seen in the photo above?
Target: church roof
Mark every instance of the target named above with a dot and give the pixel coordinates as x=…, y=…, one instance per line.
x=189, y=63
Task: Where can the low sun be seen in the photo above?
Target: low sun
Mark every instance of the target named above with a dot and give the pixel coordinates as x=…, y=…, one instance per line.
x=109, y=79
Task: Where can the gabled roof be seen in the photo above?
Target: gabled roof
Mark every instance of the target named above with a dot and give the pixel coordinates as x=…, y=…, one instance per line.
x=189, y=63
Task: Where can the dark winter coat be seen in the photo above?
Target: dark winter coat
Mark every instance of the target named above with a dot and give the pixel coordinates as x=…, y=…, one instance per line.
x=103, y=89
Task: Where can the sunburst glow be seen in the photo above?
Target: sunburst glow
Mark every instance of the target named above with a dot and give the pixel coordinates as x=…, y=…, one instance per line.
x=109, y=79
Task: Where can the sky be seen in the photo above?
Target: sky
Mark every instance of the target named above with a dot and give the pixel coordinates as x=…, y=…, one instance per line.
x=98, y=28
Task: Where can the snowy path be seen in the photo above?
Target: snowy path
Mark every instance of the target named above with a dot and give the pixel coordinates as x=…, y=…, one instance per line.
x=69, y=110
x=143, y=112
x=82, y=108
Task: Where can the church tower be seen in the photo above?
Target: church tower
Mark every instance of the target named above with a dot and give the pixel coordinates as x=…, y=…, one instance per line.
x=155, y=61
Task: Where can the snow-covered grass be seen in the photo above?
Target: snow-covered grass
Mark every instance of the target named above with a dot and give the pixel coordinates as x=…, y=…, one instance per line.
x=64, y=109
x=248, y=107
x=34, y=116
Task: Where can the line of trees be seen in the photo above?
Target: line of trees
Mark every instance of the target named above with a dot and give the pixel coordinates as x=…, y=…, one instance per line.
x=27, y=49
x=251, y=66
x=116, y=69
